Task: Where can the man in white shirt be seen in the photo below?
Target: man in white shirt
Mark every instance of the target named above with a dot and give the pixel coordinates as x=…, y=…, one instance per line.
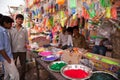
x=63, y=39
x=19, y=38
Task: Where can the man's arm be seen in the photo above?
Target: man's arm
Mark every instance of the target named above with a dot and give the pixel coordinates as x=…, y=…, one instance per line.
x=3, y=53
x=26, y=38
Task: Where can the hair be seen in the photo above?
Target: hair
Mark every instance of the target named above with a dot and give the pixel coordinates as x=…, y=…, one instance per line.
x=1, y=16
x=6, y=19
x=64, y=29
x=19, y=16
x=76, y=27
x=70, y=30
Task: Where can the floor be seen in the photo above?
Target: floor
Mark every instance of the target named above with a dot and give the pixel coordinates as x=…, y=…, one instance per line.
x=30, y=73
x=31, y=70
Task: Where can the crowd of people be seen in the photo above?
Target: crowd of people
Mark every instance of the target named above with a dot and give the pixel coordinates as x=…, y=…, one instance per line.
x=13, y=41
x=71, y=38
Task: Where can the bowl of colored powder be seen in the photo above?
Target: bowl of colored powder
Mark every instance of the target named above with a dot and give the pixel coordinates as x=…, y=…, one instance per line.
x=56, y=66
x=102, y=75
x=49, y=58
x=45, y=53
x=76, y=71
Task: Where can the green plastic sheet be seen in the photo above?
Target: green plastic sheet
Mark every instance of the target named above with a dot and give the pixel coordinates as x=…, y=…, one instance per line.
x=109, y=61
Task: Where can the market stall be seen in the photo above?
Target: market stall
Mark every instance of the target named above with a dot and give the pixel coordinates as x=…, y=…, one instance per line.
x=96, y=19
x=53, y=60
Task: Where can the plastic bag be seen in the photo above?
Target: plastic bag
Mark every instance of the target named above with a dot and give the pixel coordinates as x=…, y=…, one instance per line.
x=105, y=3
x=108, y=12
x=60, y=2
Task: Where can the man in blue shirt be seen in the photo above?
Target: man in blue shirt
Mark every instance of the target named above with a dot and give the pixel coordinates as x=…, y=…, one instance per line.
x=11, y=72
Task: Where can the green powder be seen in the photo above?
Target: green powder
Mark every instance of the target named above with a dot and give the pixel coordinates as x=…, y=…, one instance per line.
x=57, y=66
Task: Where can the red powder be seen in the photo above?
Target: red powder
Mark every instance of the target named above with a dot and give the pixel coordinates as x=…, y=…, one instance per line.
x=73, y=73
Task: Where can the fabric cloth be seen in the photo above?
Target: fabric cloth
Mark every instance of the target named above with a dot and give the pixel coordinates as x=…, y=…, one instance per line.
x=19, y=39
x=11, y=72
x=5, y=43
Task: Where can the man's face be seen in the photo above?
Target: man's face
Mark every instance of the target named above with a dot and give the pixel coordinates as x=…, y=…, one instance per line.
x=19, y=21
x=7, y=25
x=75, y=32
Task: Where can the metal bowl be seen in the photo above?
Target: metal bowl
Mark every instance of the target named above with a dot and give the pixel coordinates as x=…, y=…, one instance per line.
x=102, y=75
x=45, y=53
x=49, y=58
x=58, y=65
x=76, y=67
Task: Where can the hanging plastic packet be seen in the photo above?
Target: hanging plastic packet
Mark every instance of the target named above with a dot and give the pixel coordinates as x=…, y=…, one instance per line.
x=97, y=6
x=105, y=3
x=108, y=12
x=56, y=7
x=86, y=5
x=60, y=2
x=91, y=11
x=73, y=10
x=73, y=4
x=51, y=21
x=114, y=13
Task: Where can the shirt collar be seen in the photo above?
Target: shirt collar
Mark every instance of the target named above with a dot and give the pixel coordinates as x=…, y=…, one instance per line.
x=15, y=27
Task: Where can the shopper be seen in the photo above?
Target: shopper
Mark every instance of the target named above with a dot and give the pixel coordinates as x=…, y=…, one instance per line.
x=11, y=72
x=2, y=72
x=19, y=37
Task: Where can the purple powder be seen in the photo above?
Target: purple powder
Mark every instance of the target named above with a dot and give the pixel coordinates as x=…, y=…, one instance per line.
x=50, y=58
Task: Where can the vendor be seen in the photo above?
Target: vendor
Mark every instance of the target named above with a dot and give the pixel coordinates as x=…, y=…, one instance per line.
x=100, y=46
x=78, y=39
x=63, y=39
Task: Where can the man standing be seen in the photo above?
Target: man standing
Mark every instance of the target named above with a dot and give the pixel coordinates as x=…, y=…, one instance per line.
x=11, y=72
x=19, y=37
